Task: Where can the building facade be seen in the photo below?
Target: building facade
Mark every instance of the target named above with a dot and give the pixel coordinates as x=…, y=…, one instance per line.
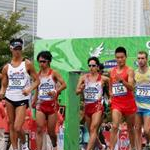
x=30, y=12
x=118, y=18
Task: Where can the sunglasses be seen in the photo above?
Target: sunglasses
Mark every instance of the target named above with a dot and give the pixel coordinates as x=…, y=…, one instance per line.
x=17, y=49
x=94, y=65
x=43, y=61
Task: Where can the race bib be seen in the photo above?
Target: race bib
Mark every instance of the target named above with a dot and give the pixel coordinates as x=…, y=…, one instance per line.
x=16, y=83
x=91, y=95
x=118, y=89
x=143, y=91
x=44, y=90
x=43, y=93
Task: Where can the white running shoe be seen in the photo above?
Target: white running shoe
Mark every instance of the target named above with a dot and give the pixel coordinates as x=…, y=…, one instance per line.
x=103, y=147
x=24, y=147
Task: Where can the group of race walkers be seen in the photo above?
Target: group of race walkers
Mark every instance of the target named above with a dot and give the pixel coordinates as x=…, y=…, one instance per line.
x=129, y=97
x=19, y=79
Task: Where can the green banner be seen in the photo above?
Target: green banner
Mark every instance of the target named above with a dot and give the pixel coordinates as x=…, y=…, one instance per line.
x=70, y=55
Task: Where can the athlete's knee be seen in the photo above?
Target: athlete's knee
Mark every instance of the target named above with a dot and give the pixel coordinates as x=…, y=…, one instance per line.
x=93, y=129
x=11, y=125
x=137, y=127
x=115, y=127
x=39, y=130
x=147, y=130
x=52, y=134
x=17, y=128
x=131, y=129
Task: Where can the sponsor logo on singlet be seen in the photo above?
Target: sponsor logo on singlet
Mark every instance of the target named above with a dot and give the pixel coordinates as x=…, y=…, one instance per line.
x=16, y=80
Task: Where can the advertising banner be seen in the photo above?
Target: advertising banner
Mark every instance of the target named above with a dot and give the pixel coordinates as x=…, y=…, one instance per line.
x=70, y=56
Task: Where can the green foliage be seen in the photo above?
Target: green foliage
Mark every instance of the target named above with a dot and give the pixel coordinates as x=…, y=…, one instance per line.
x=28, y=52
x=9, y=28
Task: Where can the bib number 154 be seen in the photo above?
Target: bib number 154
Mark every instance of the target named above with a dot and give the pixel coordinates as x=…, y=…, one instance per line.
x=119, y=89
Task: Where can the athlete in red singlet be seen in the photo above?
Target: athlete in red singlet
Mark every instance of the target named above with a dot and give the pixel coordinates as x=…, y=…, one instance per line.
x=91, y=85
x=47, y=94
x=122, y=98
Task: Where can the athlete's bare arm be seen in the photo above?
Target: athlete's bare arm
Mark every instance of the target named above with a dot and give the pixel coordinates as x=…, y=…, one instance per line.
x=131, y=79
x=110, y=86
x=35, y=98
x=80, y=85
x=0, y=76
x=4, y=81
x=59, y=79
x=34, y=76
x=105, y=79
x=130, y=83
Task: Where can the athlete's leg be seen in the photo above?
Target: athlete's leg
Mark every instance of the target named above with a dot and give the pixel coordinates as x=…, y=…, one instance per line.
x=130, y=119
x=52, y=120
x=138, y=132
x=19, y=121
x=98, y=142
x=88, y=122
x=11, y=118
x=40, y=120
x=147, y=128
x=116, y=119
x=95, y=122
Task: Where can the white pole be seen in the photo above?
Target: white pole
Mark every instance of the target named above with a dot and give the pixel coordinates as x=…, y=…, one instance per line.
x=14, y=6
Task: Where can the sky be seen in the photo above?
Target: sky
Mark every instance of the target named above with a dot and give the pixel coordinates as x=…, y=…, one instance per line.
x=65, y=18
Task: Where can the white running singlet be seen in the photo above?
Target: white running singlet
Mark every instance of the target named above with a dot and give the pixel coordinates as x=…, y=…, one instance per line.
x=18, y=79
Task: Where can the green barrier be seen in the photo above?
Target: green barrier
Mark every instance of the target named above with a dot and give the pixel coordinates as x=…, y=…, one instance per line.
x=72, y=115
x=34, y=113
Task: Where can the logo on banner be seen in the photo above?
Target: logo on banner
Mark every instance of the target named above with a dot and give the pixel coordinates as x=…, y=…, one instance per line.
x=97, y=51
x=110, y=63
x=148, y=46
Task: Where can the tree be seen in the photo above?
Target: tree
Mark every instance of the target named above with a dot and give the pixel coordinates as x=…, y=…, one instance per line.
x=9, y=28
x=29, y=51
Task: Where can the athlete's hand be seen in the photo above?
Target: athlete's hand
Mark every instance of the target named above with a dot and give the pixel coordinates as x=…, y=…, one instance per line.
x=1, y=95
x=33, y=104
x=52, y=93
x=82, y=87
x=26, y=91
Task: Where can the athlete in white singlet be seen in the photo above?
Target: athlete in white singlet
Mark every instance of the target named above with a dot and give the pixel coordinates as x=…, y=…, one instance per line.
x=16, y=89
